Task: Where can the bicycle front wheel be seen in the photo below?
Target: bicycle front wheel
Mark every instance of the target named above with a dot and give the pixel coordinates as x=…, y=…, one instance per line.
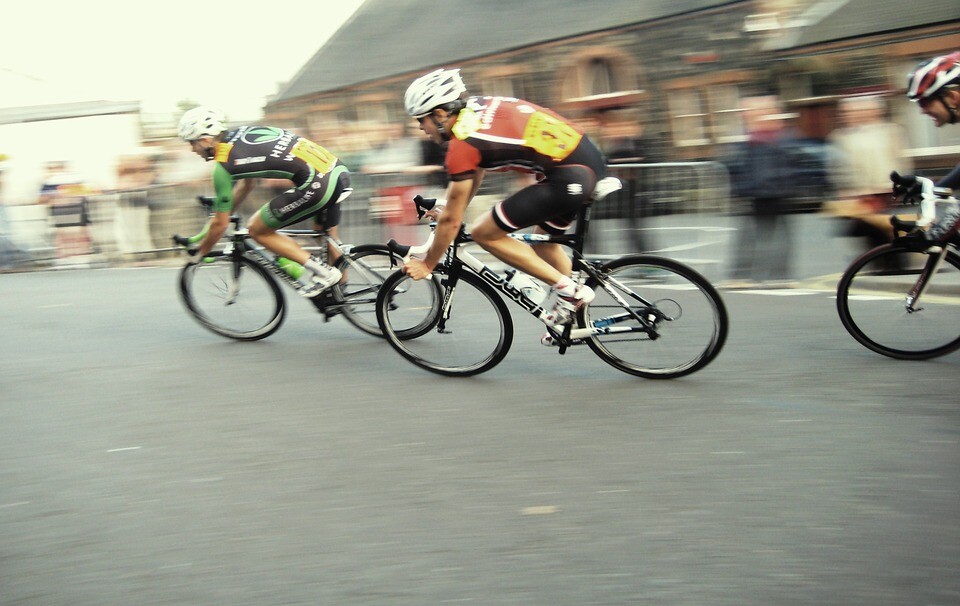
x=466, y=332
x=654, y=318
x=871, y=301
x=235, y=298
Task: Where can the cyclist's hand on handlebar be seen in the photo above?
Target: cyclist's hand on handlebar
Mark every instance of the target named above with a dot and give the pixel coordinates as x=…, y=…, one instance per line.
x=906, y=186
x=417, y=269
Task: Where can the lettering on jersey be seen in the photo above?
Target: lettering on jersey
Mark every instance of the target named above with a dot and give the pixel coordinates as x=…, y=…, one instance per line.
x=487, y=121
x=468, y=122
x=550, y=136
x=279, y=150
x=316, y=156
x=251, y=160
x=223, y=152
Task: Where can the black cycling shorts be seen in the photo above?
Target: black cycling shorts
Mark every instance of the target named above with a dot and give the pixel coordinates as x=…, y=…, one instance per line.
x=553, y=203
x=310, y=200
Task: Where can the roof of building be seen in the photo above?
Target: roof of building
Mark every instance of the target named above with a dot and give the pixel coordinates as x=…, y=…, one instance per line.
x=393, y=37
x=837, y=20
x=60, y=111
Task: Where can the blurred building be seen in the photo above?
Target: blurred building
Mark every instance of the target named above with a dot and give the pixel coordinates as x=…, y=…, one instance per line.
x=678, y=68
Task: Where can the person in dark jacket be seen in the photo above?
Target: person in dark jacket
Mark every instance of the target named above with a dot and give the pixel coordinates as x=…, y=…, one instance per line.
x=765, y=174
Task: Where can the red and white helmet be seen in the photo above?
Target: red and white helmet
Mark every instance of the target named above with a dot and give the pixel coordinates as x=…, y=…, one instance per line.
x=932, y=75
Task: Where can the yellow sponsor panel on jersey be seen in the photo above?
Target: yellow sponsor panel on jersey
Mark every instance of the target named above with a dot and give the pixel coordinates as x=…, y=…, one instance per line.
x=223, y=151
x=550, y=136
x=468, y=122
x=316, y=156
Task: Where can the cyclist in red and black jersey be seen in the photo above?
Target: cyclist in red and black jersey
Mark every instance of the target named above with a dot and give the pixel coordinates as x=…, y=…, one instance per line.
x=502, y=133
x=320, y=182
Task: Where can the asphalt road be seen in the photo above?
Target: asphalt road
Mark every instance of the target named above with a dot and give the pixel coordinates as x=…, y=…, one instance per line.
x=144, y=460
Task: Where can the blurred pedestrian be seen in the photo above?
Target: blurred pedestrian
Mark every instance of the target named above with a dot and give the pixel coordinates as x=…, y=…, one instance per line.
x=866, y=148
x=65, y=193
x=765, y=174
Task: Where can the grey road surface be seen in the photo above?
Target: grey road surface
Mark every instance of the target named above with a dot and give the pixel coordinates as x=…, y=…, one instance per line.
x=144, y=460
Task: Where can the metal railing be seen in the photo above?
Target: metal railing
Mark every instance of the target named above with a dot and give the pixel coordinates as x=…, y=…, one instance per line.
x=135, y=225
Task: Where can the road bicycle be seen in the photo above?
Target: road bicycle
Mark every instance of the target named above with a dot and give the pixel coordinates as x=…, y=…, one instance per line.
x=902, y=299
x=235, y=292
x=652, y=317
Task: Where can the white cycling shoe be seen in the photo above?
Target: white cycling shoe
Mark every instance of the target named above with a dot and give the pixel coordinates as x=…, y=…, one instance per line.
x=321, y=282
x=565, y=306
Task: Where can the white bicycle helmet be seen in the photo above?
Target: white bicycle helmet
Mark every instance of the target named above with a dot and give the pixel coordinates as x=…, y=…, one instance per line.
x=201, y=122
x=429, y=92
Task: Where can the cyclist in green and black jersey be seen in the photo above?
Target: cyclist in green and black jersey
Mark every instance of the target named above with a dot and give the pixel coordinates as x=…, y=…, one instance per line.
x=320, y=182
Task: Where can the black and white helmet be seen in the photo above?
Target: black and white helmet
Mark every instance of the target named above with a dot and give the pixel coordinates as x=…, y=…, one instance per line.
x=201, y=122
x=433, y=90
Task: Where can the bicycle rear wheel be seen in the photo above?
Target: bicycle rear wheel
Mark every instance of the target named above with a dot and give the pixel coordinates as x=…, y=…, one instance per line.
x=364, y=270
x=687, y=319
x=235, y=298
x=471, y=336
x=871, y=301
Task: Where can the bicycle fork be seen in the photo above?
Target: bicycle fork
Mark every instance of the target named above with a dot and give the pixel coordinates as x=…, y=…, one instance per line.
x=930, y=268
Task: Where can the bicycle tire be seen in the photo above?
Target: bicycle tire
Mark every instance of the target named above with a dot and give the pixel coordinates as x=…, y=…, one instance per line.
x=692, y=323
x=364, y=269
x=871, y=302
x=475, y=337
x=255, y=311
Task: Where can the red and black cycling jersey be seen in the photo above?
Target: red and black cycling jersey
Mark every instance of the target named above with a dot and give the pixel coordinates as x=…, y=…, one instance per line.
x=504, y=133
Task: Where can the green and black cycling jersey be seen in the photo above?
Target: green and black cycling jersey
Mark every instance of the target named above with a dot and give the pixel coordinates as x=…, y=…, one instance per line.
x=252, y=152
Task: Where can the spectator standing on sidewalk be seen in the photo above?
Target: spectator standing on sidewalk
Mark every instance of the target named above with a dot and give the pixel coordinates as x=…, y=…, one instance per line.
x=765, y=172
x=866, y=148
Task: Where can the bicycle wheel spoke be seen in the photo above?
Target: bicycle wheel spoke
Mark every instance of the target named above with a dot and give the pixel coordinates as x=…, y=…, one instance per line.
x=872, y=302
x=679, y=328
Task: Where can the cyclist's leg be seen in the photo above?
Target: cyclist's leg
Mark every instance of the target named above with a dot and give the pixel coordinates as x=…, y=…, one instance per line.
x=328, y=218
x=487, y=232
x=293, y=206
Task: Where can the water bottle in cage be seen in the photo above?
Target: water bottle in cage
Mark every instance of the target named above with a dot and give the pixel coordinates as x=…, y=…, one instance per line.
x=291, y=268
x=528, y=286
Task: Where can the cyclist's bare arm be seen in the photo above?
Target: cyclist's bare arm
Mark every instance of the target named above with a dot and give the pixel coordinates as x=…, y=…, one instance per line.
x=458, y=194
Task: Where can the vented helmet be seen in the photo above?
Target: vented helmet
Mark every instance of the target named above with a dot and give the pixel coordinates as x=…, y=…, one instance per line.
x=429, y=92
x=201, y=122
x=928, y=78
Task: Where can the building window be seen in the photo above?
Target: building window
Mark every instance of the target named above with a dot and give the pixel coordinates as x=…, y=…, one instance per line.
x=706, y=110
x=598, y=71
x=503, y=81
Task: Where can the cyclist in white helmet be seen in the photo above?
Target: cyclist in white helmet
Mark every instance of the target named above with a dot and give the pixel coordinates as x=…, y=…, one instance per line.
x=503, y=133
x=319, y=183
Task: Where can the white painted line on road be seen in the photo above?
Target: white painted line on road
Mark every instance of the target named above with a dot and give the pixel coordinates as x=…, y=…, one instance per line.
x=17, y=504
x=612, y=491
x=777, y=292
x=54, y=305
x=539, y=510
x=125, y=449
x=728, y=452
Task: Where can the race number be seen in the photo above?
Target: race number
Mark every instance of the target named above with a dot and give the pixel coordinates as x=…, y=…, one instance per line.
x=550, y=136
x=318, y=157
